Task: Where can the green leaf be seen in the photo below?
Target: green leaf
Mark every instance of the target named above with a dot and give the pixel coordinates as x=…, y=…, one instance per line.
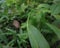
x=55, y=29
x=55, y=9
x=43, y=6
x=56, y=1
x=37, y=40
x=57, y=17
x=9, y=2
x=0, y=46
x=23, y=7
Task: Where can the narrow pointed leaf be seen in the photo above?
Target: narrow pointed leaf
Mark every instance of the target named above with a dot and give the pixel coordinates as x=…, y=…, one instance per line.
x=36, y=38
x=55, y=29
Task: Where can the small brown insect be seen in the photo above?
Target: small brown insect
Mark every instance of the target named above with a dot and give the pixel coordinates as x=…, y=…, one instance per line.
x=16, y=23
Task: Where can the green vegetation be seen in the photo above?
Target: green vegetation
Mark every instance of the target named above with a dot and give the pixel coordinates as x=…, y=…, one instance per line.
x=29, y=23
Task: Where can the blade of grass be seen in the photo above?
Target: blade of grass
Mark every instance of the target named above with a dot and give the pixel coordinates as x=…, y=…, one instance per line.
x=55, y=29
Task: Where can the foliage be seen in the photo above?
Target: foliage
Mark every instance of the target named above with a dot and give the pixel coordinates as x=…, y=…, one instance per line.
x=29, y=23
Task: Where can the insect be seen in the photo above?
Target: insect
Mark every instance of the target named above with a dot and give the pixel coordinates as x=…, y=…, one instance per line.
x=16, y=24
